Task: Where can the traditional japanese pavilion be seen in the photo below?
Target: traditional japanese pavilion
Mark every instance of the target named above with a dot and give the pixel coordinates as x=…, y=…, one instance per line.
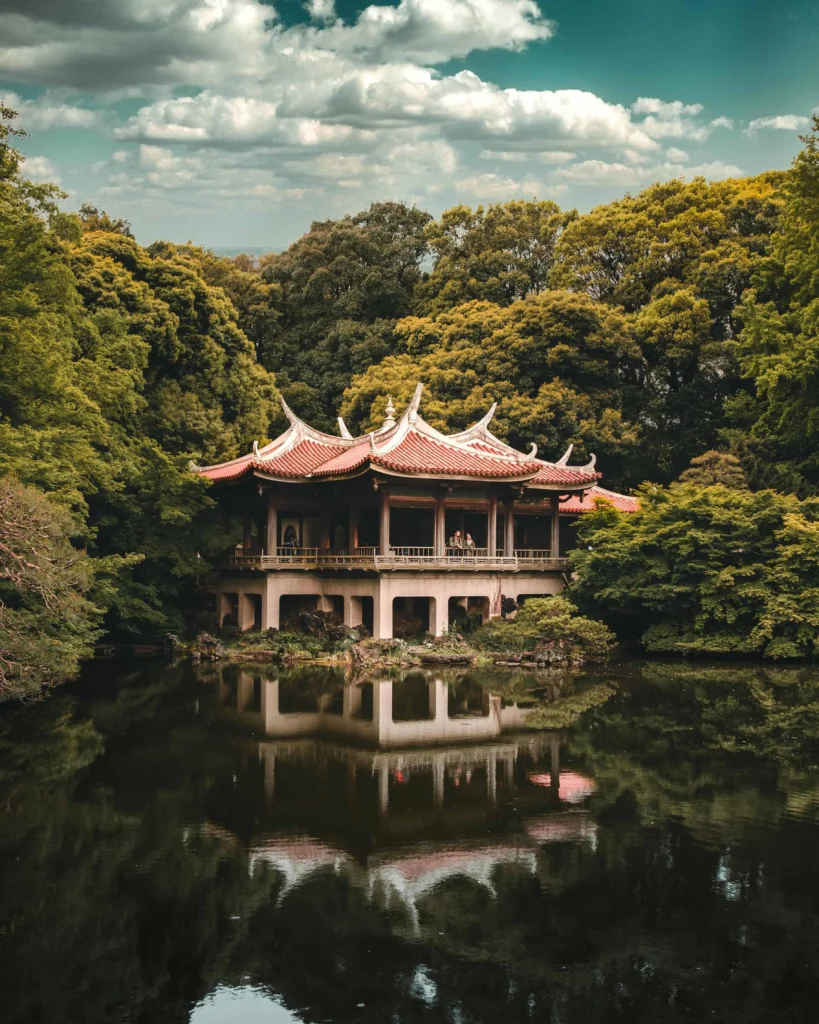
x=361, y=525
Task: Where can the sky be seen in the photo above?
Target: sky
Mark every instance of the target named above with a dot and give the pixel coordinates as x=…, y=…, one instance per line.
x=236, y=123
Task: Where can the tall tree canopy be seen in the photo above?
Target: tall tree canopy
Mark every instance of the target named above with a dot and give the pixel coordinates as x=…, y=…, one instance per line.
x=502, y=253
x=335, y=293
x=777, y=426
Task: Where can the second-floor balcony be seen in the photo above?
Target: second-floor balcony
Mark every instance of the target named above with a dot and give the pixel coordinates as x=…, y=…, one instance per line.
x=461, y=559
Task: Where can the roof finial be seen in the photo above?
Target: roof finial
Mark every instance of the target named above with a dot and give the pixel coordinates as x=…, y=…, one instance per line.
x=389, y=420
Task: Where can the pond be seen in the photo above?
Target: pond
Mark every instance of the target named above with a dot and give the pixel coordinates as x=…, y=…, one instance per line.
x=221, y=845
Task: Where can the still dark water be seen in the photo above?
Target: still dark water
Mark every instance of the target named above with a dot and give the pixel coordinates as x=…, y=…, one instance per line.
x=224, y=846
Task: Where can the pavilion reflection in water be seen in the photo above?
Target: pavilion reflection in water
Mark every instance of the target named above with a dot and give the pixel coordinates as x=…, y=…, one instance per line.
x=398, y=786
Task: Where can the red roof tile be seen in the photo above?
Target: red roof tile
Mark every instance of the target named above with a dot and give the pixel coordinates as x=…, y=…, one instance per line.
x=577, y=503
x=571, y=476
x=417, y=453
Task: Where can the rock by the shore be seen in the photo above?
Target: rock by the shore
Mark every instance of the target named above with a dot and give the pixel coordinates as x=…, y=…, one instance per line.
x=207, y=648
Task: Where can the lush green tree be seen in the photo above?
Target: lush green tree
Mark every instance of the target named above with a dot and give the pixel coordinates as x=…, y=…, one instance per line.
x=709, y=570
x=334, y=294
x=715, y=468
x=47, y=622
x=704, y=236
x=501, y=253
x=776, y=427
x=119, y=366
x=558, y=364
x=551, y=624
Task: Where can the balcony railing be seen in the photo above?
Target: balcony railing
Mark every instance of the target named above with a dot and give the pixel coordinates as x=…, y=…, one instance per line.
x=469, y=559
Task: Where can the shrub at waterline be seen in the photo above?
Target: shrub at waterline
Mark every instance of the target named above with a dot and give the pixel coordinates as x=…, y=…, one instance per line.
x=547, y=624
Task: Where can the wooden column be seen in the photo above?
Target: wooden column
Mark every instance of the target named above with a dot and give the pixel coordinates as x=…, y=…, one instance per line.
x=352, y=540
x=247, y=536
x=439, y=531
x=384, y=538
x=555, y=526
x=509, y=530
x=272, y=525
x=325, y=529
x=492, y=527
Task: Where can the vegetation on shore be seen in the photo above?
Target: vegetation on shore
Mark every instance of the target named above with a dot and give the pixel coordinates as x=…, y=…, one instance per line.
x=674, y=325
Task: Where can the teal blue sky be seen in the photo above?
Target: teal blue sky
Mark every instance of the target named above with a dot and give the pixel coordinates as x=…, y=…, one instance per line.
x=237, y=122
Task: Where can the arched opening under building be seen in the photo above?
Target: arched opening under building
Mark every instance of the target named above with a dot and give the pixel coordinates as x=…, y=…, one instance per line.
x=411, y=617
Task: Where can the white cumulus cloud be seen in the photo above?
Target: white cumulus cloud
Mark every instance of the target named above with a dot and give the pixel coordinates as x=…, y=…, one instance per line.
x=779, y=122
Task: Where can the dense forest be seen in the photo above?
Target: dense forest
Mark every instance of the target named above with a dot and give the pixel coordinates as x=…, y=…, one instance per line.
x=675, y=333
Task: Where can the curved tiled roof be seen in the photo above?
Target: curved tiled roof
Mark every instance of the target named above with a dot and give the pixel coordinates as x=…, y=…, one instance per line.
x=408, y=447
x=577, y=503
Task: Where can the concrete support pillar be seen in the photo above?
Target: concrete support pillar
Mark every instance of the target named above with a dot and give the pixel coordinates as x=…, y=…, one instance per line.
x=509, y=530
x=492, y=527
x=439, y=532
x=352, y=539
x=224, y=606
x=496, y=600
x=270, y=605
x=245, y=612
x=382, y=613
x=438, y=614
x=555, y=526
x=272, y=533
x=353, y=612
x=384, y=542
x=324, y=603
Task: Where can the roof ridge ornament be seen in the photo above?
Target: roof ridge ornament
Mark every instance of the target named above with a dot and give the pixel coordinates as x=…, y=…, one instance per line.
x=415, y=401
x=590, y=464
x=389, y=419
x=528, y=456
x=255, y=449
x=564, y=458
x=342, y=429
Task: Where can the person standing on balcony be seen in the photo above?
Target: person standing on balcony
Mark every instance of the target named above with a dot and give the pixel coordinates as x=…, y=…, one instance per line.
x=456, y=542
x=469, y=544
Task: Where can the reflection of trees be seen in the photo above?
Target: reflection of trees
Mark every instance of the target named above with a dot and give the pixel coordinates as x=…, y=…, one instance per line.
x=127, y=892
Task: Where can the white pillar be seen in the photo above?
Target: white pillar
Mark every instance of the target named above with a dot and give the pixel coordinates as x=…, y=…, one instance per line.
x=492, y=527
x=272, y=525
x=439, y=613
x=555, y=526
x=439, y=532
x=324, y=603
x=384, y=541
x=382, y=612
x=353, y=612
x=270, y=604
x=509, y=530
x=245, y=612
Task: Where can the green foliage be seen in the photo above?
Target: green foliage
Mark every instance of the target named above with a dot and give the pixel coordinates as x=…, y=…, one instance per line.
x=47, y=623
x=715, y=468
x=555, y=363
x=776, y=429
x=501, y=254
x=705, y=570
x=119, y=365
x=335, y=294
x=545, y=621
